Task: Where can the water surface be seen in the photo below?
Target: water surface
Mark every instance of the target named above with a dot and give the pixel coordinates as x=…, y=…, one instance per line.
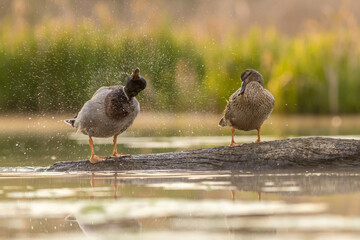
x=169, y=205
x=178, y=205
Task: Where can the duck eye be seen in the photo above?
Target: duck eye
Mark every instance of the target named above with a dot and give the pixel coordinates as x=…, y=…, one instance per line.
x=247, y=75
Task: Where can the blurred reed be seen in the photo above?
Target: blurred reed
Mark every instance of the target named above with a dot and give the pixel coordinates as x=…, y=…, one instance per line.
x=56, y=69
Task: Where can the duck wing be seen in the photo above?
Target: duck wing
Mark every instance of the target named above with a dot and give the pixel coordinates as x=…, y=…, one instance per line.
x=117, y=103
x=235, y=95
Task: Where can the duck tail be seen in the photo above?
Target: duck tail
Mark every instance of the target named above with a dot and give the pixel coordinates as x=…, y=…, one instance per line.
x=70, y=121
x=222, y=122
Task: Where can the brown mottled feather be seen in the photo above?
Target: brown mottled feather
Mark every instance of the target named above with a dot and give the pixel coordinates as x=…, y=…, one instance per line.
x=248, y=111
x=117, y=104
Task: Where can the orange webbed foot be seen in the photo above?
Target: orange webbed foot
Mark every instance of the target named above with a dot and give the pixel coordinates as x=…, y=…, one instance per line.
x=96, y=159
x=235, y=144
x=115, y=153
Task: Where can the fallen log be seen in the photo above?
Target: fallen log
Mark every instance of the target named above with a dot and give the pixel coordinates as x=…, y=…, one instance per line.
x=290, y=154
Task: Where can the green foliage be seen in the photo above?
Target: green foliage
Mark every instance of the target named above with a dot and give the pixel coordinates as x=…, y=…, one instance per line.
x=58, y=69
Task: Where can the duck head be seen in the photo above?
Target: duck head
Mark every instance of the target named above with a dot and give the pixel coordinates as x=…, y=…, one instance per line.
x=135, y=83
x=250, y=75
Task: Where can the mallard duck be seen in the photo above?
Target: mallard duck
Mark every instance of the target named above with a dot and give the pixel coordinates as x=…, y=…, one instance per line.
x=249, y=106
x=109, y=112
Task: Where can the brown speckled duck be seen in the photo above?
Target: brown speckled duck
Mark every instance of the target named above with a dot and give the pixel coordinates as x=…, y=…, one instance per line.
x=109, y=112
x=249, y=106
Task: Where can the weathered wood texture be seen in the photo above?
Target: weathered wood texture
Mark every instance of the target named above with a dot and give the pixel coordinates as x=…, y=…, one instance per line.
x=291, y=154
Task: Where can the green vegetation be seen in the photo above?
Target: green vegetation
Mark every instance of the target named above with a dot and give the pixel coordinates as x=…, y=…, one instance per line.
x=58, y=69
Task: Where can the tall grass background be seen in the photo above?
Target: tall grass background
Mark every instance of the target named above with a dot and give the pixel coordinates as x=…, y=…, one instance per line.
x=56, y=68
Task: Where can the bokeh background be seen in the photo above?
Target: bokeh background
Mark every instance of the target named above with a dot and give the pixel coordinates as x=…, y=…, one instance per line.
x=55, y=54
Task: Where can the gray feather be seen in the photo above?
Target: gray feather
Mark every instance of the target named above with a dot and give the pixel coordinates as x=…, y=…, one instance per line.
x=70, y=121
x=92, y=119
x=222, y=123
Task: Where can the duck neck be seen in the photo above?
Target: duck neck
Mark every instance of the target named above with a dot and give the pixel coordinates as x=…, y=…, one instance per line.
x=129, y=92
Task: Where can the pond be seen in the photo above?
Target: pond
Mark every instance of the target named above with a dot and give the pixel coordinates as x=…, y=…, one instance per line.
x=179, y=205
x=169, y=204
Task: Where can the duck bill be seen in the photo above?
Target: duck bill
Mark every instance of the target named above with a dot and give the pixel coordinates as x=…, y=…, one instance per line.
x=135, y=74
x=242, y=89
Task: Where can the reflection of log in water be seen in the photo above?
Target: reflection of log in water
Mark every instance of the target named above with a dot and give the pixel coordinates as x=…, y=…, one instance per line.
x=316, y=184
x=300, y=184
x=289, y=154
x=295, y=183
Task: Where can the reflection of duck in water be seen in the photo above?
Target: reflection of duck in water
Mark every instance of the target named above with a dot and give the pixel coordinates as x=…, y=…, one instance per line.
x=99, y=228
x=115, y=224
x=114, y=182
x=97, y=219
x=249, y=106
x=109, y=112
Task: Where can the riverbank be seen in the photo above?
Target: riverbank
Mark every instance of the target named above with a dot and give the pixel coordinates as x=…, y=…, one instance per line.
x=189, y=124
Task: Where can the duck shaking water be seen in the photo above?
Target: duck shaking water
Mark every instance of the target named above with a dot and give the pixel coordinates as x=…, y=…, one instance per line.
x=109, y=112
